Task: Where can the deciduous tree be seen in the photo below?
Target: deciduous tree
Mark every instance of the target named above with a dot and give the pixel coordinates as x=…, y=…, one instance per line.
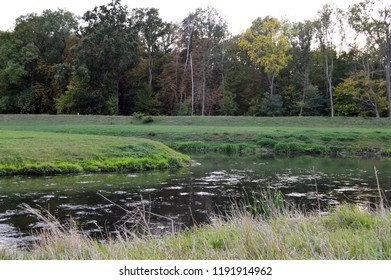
x=373, y=19
x=108, y=47
x=327, y=25
x=267, y=46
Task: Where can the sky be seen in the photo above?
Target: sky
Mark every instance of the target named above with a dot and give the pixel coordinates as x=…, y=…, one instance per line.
x=238, y=13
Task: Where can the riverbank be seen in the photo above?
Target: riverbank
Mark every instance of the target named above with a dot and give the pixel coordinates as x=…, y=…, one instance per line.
x=43, y=144
x=248, y=135
x=349, y=233
x=43, y=153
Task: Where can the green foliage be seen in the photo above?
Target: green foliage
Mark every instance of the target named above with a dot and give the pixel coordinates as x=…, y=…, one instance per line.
x=202, y=147
x=26, y=101
x=282, y=147
x=345, y=104
x=115, y=61
x=144, y=118
x=174, y=163
x=87, y=102
x=267, y=46
x=184, y=109
x=147, y=102
x=147, y=119
x=155, y=35
x=271, y=106
x=228, y=106
x=65, y=104
x=29, y=59
x=266, y=141
x=107, y=51
x=358, y=96
x=14, y=72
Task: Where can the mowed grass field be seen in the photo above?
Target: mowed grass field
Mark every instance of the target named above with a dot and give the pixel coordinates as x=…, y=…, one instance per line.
x=286, y=135
x=35, y=151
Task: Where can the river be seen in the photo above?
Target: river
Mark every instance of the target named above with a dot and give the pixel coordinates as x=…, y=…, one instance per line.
x=102, y=203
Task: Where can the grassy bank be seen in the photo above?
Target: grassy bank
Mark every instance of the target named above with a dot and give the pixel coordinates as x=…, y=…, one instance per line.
x=347, y=233
x=38, y=153
x=286, y=135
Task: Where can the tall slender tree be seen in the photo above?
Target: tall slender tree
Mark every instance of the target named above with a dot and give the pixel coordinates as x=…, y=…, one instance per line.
x=301, y=40
x=154, y=34
x=204, y=33
x=267, y=46
x=326, y=25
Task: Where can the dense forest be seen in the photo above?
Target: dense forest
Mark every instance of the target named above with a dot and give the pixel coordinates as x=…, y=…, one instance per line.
x=114, y=60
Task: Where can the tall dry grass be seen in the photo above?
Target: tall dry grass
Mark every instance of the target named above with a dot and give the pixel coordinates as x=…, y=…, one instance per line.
x=347, y=233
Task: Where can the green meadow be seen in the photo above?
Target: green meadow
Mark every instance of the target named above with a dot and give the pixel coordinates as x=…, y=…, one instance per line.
x=285, y=135
x=46, y=144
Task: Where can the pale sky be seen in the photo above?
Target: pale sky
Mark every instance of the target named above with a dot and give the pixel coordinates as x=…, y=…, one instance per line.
x=238, y=13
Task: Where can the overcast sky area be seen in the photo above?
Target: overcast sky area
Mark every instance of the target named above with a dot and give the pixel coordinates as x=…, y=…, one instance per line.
x=239, y=14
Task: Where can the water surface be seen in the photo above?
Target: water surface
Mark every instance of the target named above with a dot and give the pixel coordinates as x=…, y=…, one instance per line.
x=106, y=202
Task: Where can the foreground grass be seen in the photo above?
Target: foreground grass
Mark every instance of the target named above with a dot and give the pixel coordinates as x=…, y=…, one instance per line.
x=38, y=153
x=286, y=135
x=347, y=233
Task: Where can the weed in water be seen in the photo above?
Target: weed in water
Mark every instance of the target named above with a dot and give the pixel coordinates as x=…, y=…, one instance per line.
x=266, y=202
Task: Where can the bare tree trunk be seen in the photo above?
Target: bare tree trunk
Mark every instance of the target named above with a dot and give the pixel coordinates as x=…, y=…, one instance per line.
x=305, y=88
x=375, y=104
x=189, y=59
x=192, y=84
x=271, y=79
x=118, y=95
x=367, y=72
x=329, y=77
x=177, y=90
x=331, y=98
x=388, y=69
x=302, y=107
x=150, y=66
x=203, y=91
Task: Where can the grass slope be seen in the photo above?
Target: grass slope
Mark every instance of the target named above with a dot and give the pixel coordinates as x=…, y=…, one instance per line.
x=32, y=152
x=285, y=135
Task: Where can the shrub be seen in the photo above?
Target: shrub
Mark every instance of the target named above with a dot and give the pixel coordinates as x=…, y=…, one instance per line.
x=138, y=115
x=147, y=119
x=304, y=138
x=297, y=147
x=144, y=118
x=230, y=148
x=267, y=142
x=281, y=147
x=174, y=163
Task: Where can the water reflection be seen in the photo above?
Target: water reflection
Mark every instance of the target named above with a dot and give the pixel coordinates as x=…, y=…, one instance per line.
x=189, y=196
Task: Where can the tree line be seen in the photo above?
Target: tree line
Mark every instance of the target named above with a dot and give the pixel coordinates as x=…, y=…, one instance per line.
x=114, y=60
